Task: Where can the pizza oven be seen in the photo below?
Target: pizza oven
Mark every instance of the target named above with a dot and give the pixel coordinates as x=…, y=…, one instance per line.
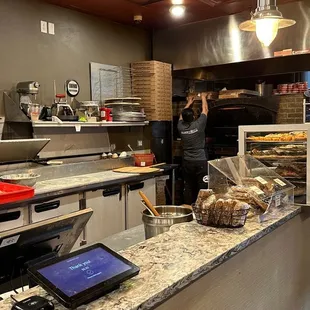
x=226, y=115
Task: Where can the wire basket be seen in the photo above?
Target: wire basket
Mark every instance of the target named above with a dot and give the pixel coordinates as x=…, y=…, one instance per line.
x=220, y=216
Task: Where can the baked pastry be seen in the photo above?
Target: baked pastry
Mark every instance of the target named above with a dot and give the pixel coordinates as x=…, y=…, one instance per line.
x=299, y=135
x=291, y=170
x=209, y=203
x=248, y=196
x=221, y=212
x=203, y=195
x=284, y=137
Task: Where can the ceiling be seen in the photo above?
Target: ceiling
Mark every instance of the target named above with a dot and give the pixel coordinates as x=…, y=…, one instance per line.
x=156, y=12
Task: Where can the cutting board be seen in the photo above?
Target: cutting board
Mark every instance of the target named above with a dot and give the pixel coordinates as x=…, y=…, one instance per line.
x=237, y=93
x=136, y=170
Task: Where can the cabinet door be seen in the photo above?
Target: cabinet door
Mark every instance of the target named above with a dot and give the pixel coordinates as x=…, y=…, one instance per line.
x=134, y=206
x=10, y=219
x=109, y=213
x=54, y=208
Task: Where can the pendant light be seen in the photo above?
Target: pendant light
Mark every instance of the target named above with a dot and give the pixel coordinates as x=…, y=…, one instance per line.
x=178, y=9
x=266, y=21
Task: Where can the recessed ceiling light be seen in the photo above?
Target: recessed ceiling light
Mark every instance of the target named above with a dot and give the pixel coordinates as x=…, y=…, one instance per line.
x=177, y=2
x=177, y=10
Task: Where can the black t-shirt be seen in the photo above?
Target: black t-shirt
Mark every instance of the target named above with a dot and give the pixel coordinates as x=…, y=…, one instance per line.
x=193, y=137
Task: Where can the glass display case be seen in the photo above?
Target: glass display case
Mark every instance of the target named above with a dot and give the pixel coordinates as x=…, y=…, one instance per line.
x=246, y=179
x=282, y=148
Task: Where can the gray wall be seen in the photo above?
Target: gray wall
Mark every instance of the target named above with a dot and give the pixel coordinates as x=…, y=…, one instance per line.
x=28, y=54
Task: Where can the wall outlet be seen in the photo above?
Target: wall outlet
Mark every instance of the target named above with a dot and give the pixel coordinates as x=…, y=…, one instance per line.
x=140, y=143
x=113, y=147
x=43, y=26
x=51, y=28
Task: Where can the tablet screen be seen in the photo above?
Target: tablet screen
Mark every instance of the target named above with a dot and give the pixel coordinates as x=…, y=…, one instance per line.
x=83, y=271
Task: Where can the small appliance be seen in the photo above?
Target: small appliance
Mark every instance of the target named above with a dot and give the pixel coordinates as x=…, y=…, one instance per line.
x=26, y=90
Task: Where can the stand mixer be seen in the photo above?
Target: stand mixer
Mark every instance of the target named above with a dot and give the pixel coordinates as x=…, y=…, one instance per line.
x=25, y=90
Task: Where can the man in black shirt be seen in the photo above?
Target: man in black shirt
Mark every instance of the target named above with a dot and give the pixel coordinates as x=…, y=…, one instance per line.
x=192, y=133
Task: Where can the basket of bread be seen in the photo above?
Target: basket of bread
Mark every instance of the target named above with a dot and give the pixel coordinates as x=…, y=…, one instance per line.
x=212, y=210
x=240, y=185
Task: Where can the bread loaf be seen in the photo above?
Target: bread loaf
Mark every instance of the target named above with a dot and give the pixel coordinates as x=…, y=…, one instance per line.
x=203, y=195
x=214, y=210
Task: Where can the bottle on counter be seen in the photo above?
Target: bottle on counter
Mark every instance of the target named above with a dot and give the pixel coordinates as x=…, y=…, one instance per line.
x=103, y=114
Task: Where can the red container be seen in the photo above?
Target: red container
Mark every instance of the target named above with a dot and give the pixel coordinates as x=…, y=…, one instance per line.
x=109, y=117
x=144, y=160
x=103, y=114
x=11, y=192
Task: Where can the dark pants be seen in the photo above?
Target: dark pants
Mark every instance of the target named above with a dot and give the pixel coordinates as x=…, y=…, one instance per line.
x=193, y=174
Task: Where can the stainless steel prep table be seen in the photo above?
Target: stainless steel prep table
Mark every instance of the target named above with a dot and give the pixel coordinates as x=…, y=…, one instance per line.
x=65, y=189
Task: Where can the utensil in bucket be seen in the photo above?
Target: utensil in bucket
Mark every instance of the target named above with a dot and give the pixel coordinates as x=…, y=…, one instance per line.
x=148, y=204
x=168, y=216
x=146, y=207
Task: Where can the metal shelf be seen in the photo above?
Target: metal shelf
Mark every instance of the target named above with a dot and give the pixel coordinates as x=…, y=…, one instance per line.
x=275, y=142
x=44, y=124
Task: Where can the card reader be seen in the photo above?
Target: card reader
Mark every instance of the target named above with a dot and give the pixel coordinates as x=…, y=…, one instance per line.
x=33, y=303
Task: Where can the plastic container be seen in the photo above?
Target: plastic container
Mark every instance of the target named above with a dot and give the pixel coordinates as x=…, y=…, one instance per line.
x=11, y=192
x=103, y=114
x=144, y=160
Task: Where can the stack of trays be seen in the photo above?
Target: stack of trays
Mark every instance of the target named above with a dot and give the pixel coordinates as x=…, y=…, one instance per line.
x=126, y=109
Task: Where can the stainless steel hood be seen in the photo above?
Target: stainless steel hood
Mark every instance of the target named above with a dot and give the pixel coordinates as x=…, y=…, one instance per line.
x=219, y=42
x=251, y=68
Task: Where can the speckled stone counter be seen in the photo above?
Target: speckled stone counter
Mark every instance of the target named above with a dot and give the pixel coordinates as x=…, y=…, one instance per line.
x=79, y=181
x=53, y=188
x=174, y=260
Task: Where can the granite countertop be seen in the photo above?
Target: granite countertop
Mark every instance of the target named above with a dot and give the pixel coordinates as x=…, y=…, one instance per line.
x=124, y=239
x=175, y=259
x=54, y=188
x=86, y=180
x=80, y=181
x=63, y=186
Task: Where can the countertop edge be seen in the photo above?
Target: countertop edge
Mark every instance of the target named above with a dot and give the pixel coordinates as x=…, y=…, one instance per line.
x=174, y=289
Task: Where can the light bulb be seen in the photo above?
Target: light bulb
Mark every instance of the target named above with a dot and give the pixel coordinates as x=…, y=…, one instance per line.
x=177, y=2
x=266, y=30
x=177, y=10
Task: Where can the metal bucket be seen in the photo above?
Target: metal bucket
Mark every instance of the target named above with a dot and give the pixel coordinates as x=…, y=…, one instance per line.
x=169, y=215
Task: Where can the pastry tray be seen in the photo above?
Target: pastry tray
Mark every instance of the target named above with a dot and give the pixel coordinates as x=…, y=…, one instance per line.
x=277, y=142
x=280, y=158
